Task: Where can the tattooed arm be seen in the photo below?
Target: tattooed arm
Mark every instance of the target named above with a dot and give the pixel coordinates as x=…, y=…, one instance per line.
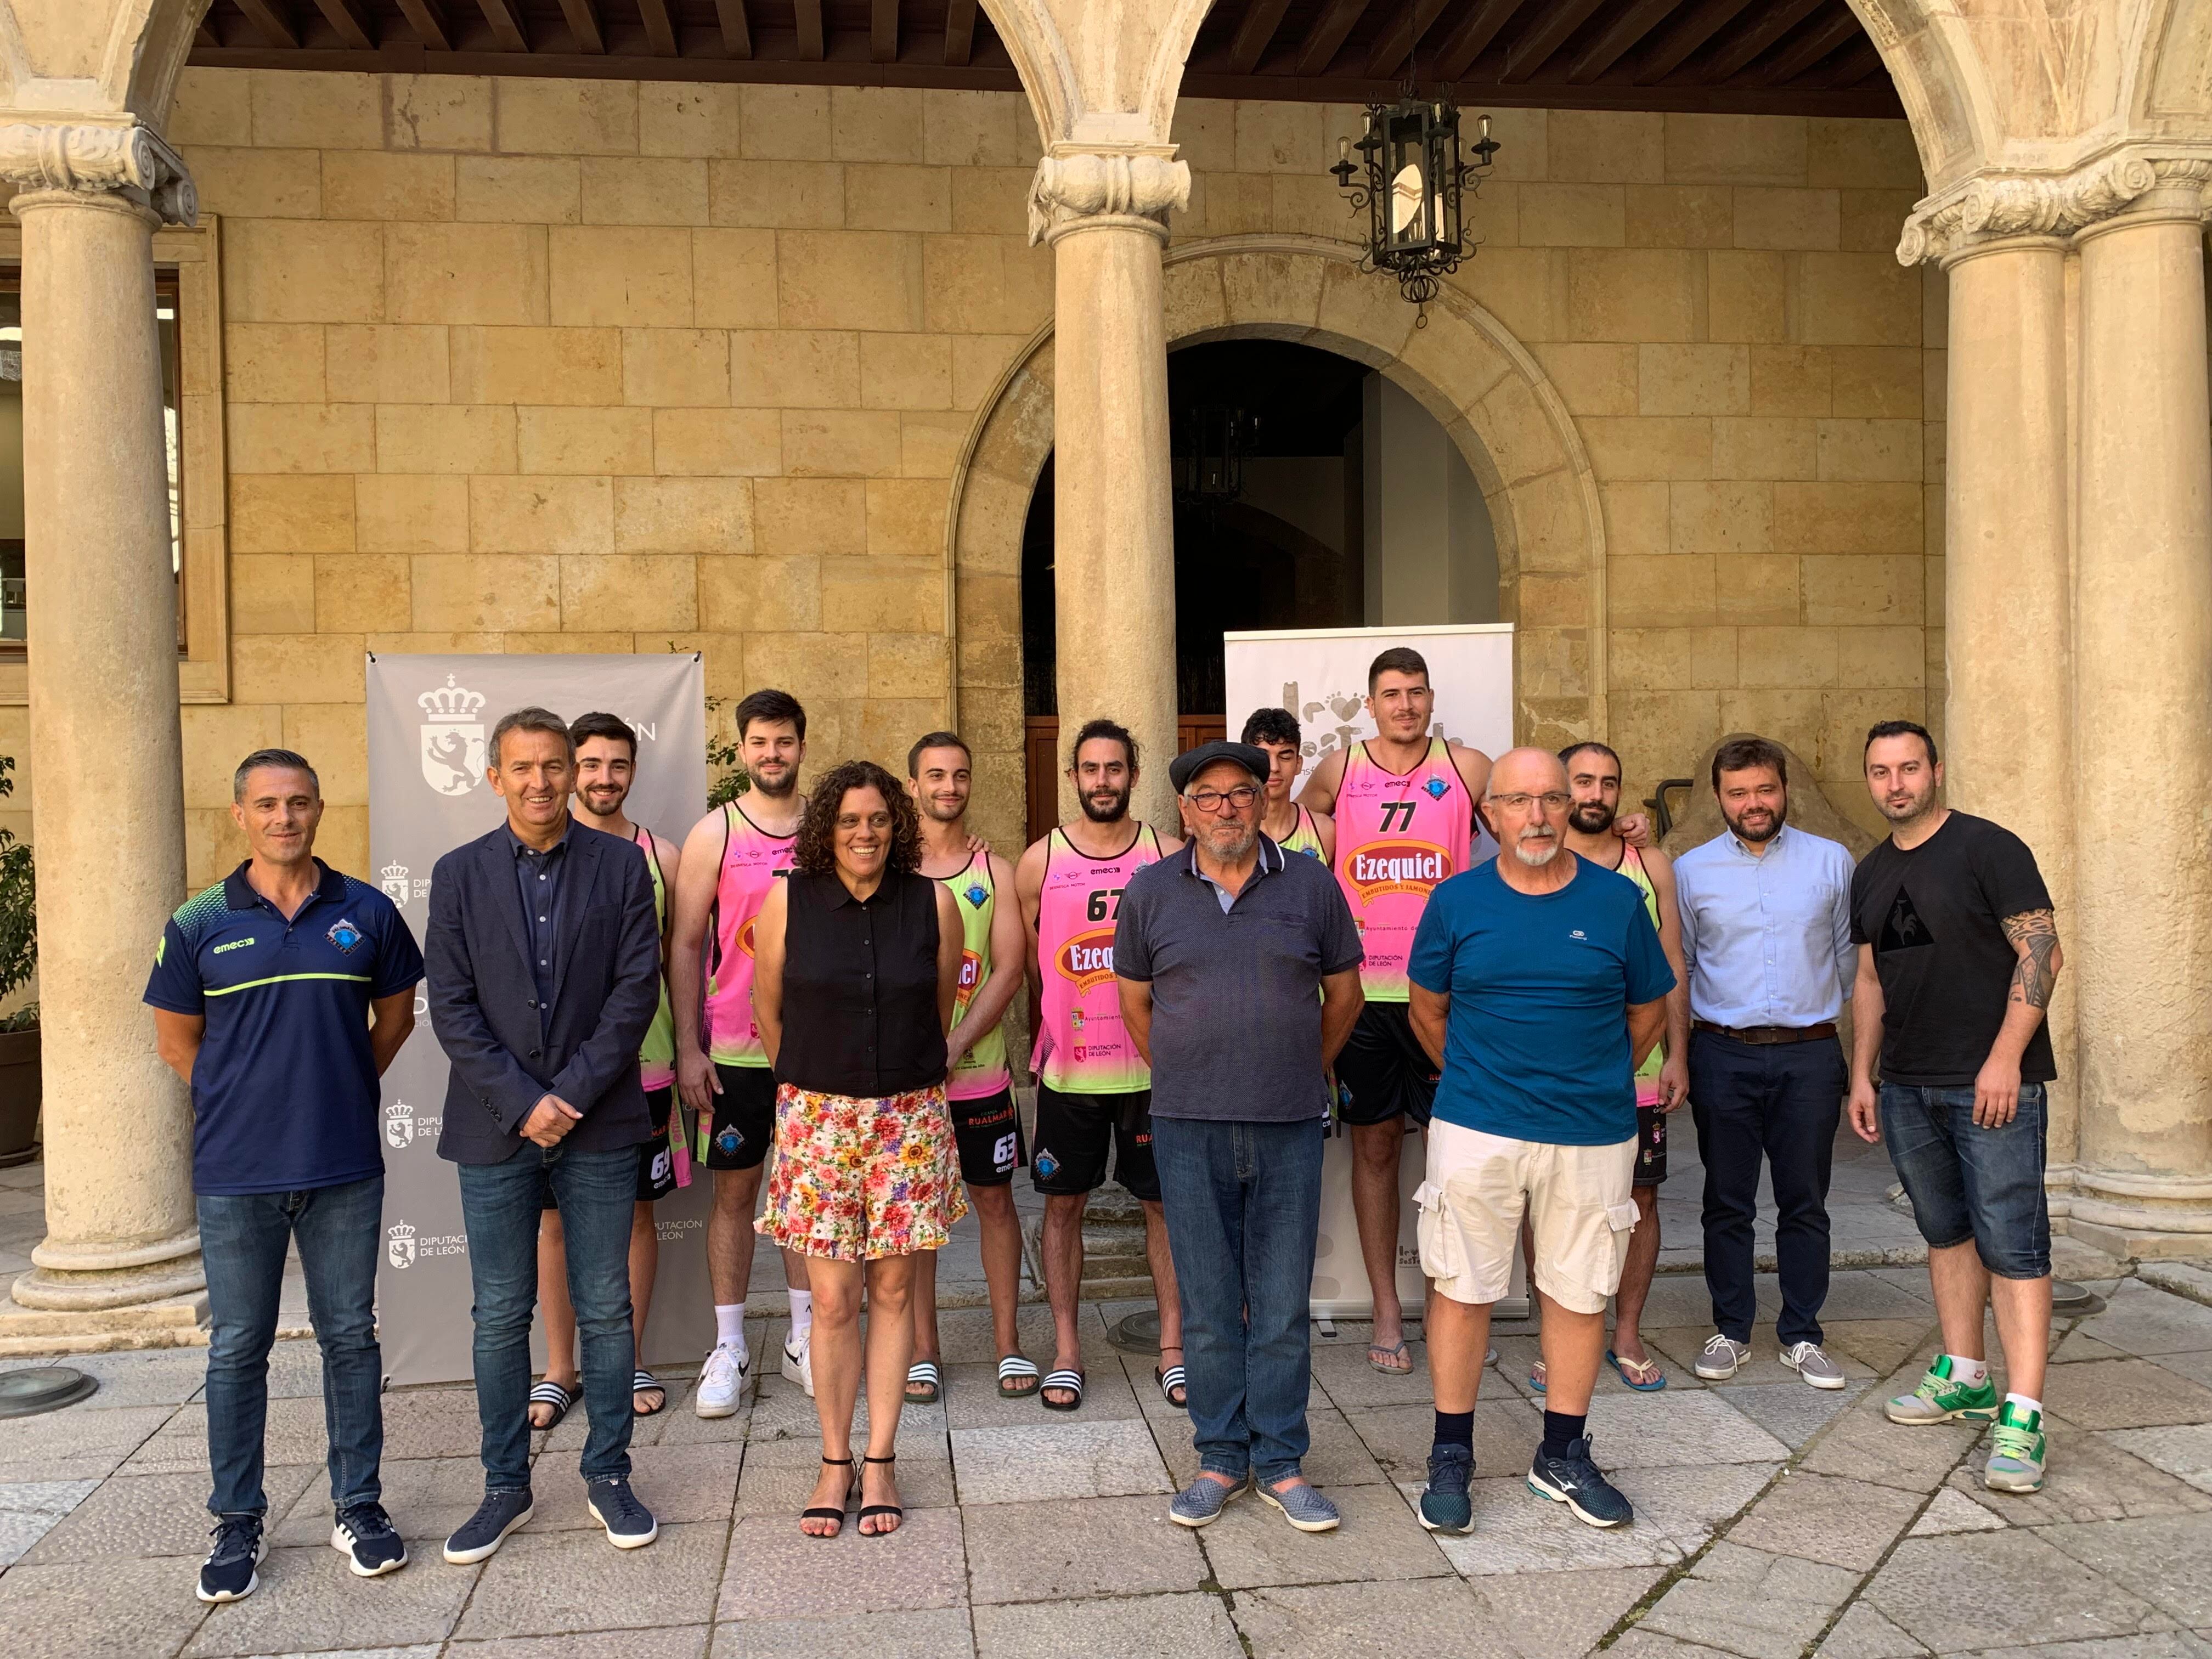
x=2034, y=938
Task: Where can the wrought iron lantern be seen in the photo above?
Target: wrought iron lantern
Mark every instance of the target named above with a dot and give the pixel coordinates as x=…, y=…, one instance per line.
x=1413, y=180
x=1211, y=443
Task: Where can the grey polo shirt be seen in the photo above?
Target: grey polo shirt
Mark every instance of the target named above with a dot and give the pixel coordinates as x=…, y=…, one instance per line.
x=1235, y=989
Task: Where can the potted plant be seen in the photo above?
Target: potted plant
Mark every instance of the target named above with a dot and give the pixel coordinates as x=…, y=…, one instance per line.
x=19, y=960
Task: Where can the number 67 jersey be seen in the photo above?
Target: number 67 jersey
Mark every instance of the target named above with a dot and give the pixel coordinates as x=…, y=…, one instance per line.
x=1397, y=835
x=1082, y=1047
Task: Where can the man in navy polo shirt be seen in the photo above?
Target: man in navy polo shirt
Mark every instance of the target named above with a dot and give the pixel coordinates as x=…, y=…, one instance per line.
x=280, y=994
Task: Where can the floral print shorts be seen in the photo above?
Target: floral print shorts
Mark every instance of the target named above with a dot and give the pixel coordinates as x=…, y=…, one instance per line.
x=857, y=1179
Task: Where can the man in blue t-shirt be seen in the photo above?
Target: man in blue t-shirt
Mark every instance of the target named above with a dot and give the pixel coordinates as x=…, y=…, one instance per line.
x=1538, y=984
x=279, y=995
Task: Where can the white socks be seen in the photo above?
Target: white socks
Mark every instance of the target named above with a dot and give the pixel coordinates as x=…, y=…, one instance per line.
x=2023, y=1402
x=802, y=1313
x=1972, y=1372
x=730, y=1326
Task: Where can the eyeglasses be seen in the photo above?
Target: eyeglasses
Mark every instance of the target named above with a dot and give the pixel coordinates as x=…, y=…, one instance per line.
x=1212, y=801
x=1554, y=801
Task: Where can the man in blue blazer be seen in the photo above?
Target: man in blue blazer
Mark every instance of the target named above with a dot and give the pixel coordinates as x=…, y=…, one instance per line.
x=543, y=960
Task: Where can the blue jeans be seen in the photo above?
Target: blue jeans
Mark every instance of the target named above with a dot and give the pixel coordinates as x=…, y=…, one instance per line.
x=596, y=1193
x=1244, y=1210
x=1778, y=1102
x=243, y=1239
x=1966, y=1182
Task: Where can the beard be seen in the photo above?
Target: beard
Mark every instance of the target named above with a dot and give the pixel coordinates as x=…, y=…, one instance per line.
x=604, y=801
x=1918, y=806
x=939, y=812
x=1116, y=809
x=780, y=786
x=1770, y=827
x=1592, y=818
x=1536, y=847
x=1230, y=841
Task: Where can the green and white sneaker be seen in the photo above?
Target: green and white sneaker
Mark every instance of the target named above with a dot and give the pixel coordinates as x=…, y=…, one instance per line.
x=2017, y=1450
x=1942, y=1397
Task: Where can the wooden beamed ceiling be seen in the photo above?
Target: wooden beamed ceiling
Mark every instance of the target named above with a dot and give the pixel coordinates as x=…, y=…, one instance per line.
x=1798, y=57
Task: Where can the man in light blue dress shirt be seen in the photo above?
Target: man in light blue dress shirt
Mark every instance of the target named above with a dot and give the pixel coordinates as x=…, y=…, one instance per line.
x=1767, y=937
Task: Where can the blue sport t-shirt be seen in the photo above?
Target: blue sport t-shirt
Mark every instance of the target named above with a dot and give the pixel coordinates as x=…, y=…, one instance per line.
x=1536, y=1042
x=284, y=1090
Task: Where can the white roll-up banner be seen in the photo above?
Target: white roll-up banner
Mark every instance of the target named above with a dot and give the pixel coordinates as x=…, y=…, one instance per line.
x=1320, y=675
x=428, y=719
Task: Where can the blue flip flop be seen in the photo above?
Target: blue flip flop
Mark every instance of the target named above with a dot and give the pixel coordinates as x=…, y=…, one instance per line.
x=1614, y=1360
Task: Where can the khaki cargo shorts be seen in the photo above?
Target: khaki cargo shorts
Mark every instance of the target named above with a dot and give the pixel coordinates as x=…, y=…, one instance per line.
x=1579, y=1201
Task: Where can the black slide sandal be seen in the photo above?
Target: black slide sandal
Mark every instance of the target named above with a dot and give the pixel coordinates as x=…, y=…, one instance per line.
x=549, y=1393
x=867, y=1510
x=822, y=1512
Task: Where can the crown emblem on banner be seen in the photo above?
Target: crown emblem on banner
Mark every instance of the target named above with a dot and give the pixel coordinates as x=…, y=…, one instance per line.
x=450, y=701
x=394, y=870
x=402, y=1230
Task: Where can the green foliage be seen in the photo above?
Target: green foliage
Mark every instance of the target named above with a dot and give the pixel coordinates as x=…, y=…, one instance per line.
x=19, y=917
x=730, y=778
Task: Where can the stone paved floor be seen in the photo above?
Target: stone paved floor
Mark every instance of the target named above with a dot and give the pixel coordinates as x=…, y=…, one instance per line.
x=1773, y=1521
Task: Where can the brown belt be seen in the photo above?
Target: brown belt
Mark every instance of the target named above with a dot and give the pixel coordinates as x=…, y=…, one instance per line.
x=1769, y=1033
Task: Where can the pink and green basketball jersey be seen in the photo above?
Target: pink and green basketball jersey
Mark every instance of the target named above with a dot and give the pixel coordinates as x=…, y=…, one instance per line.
x=1082, y=1046
x=751, y=859
x=1397, y=837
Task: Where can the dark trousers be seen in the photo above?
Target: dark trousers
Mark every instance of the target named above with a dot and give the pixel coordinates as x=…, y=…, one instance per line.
x=242, y=1241
x=1244, y=1211
x=1782, y=1101
x=501, y=1203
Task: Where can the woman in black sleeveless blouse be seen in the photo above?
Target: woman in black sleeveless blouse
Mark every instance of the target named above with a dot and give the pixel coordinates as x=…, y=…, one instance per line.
x=857, y=961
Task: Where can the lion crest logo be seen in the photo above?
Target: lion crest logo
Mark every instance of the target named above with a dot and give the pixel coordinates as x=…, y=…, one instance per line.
x=453, y=738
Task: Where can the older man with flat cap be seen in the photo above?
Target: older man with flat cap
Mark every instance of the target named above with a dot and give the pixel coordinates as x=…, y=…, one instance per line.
x=1239, y=974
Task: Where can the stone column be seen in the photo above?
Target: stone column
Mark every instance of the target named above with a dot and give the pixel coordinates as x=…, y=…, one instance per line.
x=2007, y=584
x=1114, y=524
x=2143, y=952
x=106, y=768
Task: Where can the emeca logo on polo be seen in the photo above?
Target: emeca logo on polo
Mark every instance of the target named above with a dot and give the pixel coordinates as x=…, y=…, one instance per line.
x=1088, y=958
x=1396, y=866
x=402, y=1247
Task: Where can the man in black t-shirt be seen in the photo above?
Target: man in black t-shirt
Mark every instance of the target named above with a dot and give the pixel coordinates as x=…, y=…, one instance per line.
x=1958, y=953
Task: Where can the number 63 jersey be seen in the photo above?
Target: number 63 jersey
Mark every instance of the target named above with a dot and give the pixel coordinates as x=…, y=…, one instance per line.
x=1082, y=1047
x=1397, y=835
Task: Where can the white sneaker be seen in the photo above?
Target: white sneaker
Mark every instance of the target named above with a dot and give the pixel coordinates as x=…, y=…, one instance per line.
x=1810, y=1363
x=799, y=1362
x=1721, y=1358
x=723, y=1382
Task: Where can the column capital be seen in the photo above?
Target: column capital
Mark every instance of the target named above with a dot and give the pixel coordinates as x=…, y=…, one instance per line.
x=90, y=158
x=1081, y=189
x=1997, y=206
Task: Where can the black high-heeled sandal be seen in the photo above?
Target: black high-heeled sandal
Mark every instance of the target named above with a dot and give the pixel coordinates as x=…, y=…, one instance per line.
x=822, y=1512
x=867, y=1510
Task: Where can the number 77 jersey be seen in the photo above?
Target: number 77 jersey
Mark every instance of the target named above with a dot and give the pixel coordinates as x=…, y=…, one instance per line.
x=1082, y=1047
x=1397, y=835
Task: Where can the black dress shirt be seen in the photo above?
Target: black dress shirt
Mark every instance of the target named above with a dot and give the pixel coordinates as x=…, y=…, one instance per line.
x=537, y=881
x=860, y=988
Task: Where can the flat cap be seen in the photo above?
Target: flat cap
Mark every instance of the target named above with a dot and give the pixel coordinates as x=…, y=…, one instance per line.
x=1188, y=764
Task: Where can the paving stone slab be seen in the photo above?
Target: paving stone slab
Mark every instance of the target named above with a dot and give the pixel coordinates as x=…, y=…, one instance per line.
x=1746, y=1602
x=1338, y=1454
x=1881, y=1345
x=2001, y=1588
x=1441, y=1618
x=1081, y=1547
x=1861, y=1444
x=166, y=1377
x=1843, y=1522
x=309, y=1601
x=2196, y=1367
x=782, y=1410
x=2167, y=1559
x=429, y=1498
x=1864, y=1633
x=1652, y=1430
x=1506, y=1432
x=1641, y=1643
x=1855, y=1294
x=293, y=1435
x=76, y=1444
x=156, y=1515
x=1341, y=1370
x=1792, y=1412
x=1190, y=1626
x=1068, y=1459
x=921, y=1633
x=2165, y=1645
x=1517, y=1355
x=1689, y=1505
x=114, y=1609
x=428, y=1422
x=972, y=1400
x=1763, y=1367
x=2142, y=1320
x=2183, y=1450
x=552, y=1583
x=2072, y=1347
x=1517, y=1532
x=776, y=1485
x=776, y=1572
x=1957, y=1510
x=1562, y=1615
x=679, y=1642
x=1252, y=1545
x=31, y=1509
x=2089, y=1479
x=2127, y=1393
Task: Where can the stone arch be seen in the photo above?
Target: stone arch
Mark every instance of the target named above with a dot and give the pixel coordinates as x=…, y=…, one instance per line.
x=1464, y=366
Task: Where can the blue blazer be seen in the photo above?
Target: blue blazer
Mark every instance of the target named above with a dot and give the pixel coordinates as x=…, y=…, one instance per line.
x=484, y=997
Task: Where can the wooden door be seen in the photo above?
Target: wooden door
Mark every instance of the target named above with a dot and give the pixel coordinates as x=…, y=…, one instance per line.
x=1045, y=762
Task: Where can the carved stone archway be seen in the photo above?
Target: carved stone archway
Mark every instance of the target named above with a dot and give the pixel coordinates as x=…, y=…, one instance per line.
x=1464, y=366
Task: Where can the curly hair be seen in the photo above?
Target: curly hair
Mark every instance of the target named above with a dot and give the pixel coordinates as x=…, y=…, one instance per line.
x=814, y=853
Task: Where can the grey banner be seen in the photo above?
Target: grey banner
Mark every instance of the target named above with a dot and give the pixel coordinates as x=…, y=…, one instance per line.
x=429, y=718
